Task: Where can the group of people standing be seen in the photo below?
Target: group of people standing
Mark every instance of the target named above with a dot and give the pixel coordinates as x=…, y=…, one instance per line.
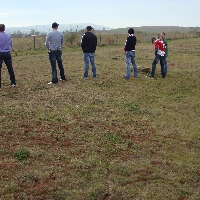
x=55, y=40
x=89, y=43
x=161, y=54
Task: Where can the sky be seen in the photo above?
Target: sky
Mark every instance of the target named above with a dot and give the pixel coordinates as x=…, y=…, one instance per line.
x=109, y=13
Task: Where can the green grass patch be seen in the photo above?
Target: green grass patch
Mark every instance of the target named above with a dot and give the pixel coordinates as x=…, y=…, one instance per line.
x=105, y=138
x=21, y=154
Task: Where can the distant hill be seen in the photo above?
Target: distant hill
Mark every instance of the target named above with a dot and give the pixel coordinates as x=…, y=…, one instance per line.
x=62, y=27
x=76, y=27
x=157, y=29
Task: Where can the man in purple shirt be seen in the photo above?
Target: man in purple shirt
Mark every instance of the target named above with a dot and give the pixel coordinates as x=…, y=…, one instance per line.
x=5, y=56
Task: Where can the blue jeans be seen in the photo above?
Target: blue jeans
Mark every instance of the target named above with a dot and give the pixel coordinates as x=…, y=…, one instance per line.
x=6, y=57
x=155, y=61
x=53, y=57
x=165, y=63
x=89, y=57
x=130, y=59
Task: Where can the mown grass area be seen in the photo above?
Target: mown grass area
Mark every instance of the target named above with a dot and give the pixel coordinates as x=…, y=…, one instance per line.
x=105, y=138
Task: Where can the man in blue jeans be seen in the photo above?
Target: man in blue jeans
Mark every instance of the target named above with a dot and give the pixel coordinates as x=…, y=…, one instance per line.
x=160, y=51
x=88, y=44
x=54, y=42
x=130, y=54
x=5, y=56
x=167, y=51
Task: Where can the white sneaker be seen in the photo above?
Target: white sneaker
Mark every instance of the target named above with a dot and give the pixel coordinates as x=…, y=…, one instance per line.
x=14, y=85
x=50, y=83
x=150, y=77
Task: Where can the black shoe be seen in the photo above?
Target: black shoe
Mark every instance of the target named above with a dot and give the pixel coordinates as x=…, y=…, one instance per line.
x=63, y=79
x=125, y=77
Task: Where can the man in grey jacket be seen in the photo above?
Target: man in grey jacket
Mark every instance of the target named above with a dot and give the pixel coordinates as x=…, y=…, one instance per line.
x=54, y=42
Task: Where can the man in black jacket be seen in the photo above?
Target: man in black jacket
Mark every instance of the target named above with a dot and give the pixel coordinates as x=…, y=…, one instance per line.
x=130, y=54
x=88, y=44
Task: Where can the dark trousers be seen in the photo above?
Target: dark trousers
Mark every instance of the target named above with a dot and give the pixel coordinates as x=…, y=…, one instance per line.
x=155, y=61
x=53, y=57
x=6, y=57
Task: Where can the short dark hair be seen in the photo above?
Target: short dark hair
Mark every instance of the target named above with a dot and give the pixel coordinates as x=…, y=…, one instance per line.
x=2, y=27
x=54, y=25
x=152, y=39
x=131, y=31
x=163, y=33
x=89, y=28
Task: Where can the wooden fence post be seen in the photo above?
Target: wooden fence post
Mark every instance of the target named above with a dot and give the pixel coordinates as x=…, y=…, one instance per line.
x=100, y=40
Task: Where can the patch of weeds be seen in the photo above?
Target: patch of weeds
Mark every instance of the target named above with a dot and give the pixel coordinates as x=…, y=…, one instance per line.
x=133, y=107
x=12, y=188
x=60, y=196
x=54, y=118
x=39, y=86
x=185, y=193
x=21, y=154
x=93, y=195
x=113, y=150
x=114, y=138
x=9, y=111
x=98, y=193
x=114, y=58
x=21, y=133
x=84, y=138
x=31, y=134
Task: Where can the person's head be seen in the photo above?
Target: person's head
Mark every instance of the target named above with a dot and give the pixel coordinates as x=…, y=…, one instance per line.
x=153, y=40
x=55, y=25
x=131, y=31
x=2, y=27
x=162, y=35
x=89, y=28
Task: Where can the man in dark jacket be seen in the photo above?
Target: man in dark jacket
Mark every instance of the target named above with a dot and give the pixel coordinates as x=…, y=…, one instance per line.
x=88, y=44
x=130, y=54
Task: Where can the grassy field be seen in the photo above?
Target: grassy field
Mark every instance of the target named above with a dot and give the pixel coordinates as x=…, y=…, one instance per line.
x=105, y=138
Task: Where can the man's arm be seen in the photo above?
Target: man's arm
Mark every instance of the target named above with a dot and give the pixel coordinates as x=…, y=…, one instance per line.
x=10, y=43
x=83, y=41
x=47, y=41
x=62, y=40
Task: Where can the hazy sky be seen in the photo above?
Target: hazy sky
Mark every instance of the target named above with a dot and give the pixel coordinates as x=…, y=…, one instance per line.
x=111, y=13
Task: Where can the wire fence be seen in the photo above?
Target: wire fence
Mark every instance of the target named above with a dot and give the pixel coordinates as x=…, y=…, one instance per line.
x=73, y=39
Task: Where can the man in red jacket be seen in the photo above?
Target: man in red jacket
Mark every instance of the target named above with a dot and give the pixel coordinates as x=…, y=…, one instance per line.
x=160, y=50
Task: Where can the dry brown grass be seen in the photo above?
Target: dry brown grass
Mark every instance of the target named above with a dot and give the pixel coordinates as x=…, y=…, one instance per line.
x=105, y=138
